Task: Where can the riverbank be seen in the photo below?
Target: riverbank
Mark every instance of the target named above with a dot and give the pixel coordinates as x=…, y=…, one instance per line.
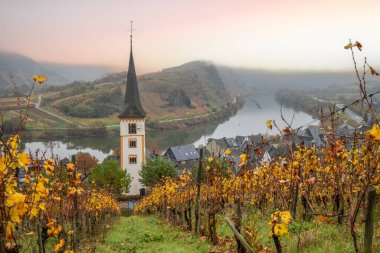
x=179, y=123
x=313, y=106
x=104, y=130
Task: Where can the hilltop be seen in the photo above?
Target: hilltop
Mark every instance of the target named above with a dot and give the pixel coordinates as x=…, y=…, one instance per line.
x=189, y=90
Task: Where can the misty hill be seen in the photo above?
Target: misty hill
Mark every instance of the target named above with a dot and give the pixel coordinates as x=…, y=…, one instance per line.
x=273, y=81
x=22, y=69
x=77, y=72
x=190, y=89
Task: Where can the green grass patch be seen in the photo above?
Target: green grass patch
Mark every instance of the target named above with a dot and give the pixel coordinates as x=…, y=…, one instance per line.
x=148, y=234
x=308, y=236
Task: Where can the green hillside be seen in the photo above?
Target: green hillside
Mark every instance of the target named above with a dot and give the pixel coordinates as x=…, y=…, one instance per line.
x=194, y=88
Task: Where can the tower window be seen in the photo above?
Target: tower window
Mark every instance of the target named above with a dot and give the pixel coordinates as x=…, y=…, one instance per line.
x=132, y=128
x=132, y=143
x=132, y=159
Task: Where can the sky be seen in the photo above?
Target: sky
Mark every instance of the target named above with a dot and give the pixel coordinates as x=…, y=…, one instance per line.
x=283, y=35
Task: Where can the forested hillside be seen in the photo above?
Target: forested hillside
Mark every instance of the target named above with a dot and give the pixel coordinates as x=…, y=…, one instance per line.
x=191, y=89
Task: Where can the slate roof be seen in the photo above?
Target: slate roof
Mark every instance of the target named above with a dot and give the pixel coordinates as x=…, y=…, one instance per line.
x=231, y=142
x=183, y=153
x=276, y=150
x=254, y=139
x=300, y=139
x=240, y=139
x=220, y=142
x=346, y=130
x=313, y=132
x=132, y=107
x=64, y=161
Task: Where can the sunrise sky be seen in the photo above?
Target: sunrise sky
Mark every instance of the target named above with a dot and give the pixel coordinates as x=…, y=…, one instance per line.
x=265, y=34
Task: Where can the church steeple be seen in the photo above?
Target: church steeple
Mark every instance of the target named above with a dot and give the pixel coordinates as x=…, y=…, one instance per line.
x=132, y=131
x=132, y=104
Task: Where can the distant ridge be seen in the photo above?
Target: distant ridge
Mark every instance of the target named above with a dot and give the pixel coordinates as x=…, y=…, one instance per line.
x=22, y=69
x=78, y=72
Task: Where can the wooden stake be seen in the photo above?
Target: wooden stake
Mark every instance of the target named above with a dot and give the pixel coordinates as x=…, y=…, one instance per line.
x=369, y=220
x=198, y=191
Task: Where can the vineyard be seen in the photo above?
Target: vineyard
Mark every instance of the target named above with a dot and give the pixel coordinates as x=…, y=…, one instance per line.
x=335, y=183
x=48, y=206
x=328, y=185
x=51, y=207
x=13, y=104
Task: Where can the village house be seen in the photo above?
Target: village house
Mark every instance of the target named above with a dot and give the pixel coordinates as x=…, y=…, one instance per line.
x=184, y=157
x=251, y=141
x=216, y=147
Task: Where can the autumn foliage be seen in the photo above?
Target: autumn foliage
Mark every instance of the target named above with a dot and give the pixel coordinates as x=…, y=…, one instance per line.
x=45, y=199
x=325, y=182
x=42, y=200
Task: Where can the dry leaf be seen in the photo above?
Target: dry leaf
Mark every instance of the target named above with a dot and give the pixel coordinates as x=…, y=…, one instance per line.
x=373, y=71
x=203, y=238
x=287, y=131
x=358, y=45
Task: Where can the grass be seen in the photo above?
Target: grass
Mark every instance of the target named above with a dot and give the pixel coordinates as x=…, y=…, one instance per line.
x=145, y=234
x=315, y=238
x=309, y=237
x=148, y=234
x=110, y=120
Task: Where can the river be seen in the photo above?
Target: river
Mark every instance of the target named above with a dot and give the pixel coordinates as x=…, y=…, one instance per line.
x=250, y=119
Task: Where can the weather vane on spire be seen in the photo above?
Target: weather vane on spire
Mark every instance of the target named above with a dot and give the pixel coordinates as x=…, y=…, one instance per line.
x=131, y=30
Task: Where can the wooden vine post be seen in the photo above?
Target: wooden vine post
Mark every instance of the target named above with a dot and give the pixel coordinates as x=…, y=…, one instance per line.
x=369, y=220
x=238, y=221
x=199, y=178
x=238, y=236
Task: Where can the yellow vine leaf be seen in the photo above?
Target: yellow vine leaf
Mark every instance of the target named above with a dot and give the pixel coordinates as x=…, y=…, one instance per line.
x=374, y=133
x=280, y=230
x=40, y=79
x=15, y=199
x=269, y=124
x=23, y=160
x=59, y=245
x=286, y=217
x=348, y=46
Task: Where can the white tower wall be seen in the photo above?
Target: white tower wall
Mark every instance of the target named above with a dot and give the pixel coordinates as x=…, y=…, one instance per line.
x=126, y=151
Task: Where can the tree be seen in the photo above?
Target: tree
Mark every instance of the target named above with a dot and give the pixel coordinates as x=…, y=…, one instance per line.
x=109, y=176
x=85, y=162
x=155, y=170
x=178, y=97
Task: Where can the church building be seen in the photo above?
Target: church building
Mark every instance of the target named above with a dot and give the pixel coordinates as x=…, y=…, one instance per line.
x=132, y=130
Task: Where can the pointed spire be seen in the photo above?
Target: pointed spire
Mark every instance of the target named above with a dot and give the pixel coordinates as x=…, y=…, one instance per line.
x=132, y=105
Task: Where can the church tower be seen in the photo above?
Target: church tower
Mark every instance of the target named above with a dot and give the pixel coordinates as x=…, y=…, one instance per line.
x=132, y=130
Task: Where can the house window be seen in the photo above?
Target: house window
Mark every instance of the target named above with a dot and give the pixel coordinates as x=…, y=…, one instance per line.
x=132, y=159
x=132, y=128
x=132, y=143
